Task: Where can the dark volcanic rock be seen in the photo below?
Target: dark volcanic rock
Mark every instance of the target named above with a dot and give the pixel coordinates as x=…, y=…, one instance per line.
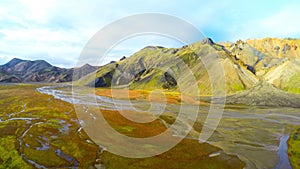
x=207, y=41
x=286, y=47
x=123, y=58
x=170, y=81
x=276, y=48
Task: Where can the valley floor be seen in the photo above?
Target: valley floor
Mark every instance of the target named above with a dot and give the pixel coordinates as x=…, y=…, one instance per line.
x=39, y=131
x=256, y=134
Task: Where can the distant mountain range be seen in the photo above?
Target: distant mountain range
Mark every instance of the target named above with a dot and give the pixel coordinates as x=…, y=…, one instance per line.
x=17, y=71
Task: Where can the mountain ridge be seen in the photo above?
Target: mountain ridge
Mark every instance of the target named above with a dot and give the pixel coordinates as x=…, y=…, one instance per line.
x=20, y=71
x=143, y=70
x=268, y=69
x=245, y=63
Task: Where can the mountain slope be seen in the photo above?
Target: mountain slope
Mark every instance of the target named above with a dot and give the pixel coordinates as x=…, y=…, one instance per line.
x=275, y=47
x=275, y=60
x=264, y=94
x=285, y=76
x=156, y=67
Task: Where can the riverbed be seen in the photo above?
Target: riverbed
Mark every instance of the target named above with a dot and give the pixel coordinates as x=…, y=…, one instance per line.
x=257, y=135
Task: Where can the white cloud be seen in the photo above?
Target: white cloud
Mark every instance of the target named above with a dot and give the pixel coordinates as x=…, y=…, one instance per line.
x=34, y=43
x=284, y=23
x=37, y=9
x=58, y=30
x=2, y=12
x=38, y=35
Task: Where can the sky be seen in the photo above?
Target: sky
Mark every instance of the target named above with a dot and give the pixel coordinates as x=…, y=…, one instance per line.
x=57, y=31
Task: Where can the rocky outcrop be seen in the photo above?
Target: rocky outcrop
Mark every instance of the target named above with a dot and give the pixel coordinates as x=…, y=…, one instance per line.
x=207, y=41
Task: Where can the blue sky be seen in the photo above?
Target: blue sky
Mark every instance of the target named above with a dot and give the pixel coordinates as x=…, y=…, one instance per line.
x=57, y=31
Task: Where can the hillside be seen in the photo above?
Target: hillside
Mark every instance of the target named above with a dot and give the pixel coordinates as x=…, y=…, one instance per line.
x=264, y=94
x=17, y=70
x=277, y=61
x=285, y=76
x=156, y=67
x=257, y=72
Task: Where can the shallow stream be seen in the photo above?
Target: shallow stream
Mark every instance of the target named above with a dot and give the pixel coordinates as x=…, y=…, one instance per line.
x=258, y=135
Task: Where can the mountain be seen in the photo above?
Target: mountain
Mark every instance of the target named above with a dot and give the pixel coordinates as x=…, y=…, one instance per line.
x=18, y=70
x=83, y=71
x=275, y=60
x=257, y=72
x=156, y=67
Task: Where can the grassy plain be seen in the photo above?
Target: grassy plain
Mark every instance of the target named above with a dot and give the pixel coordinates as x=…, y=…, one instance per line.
x=294, y=149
